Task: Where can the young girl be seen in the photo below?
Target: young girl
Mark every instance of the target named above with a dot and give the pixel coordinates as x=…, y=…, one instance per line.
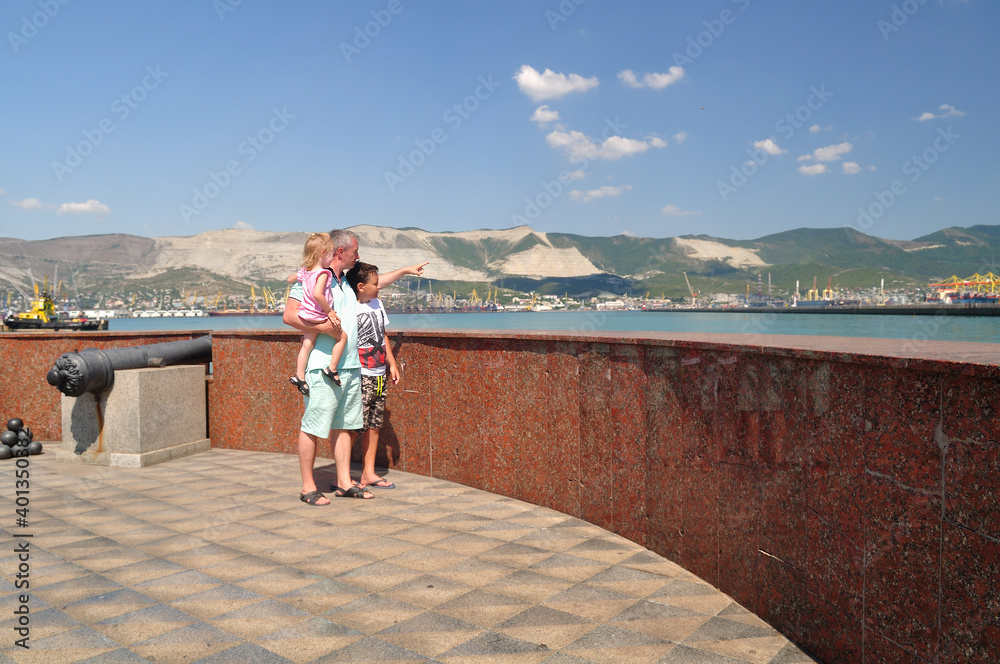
x=316, y=296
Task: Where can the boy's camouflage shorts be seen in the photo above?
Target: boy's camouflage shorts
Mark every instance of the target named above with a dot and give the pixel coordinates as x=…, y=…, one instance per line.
x=373, y=401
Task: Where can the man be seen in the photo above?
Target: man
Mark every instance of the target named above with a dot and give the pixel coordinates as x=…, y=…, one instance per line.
x=334, y=410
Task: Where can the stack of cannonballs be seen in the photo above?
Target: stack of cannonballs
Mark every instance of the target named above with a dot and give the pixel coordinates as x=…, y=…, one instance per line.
x=17, y=440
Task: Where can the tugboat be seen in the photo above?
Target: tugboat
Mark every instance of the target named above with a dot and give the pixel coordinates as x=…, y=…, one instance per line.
x=43, y=316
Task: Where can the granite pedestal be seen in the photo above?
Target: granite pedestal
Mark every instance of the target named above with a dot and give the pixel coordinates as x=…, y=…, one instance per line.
x=148, y=416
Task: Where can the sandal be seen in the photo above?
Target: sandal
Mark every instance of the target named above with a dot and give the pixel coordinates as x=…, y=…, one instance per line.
x=301, y=384
x=312, y=498
x=381, y=483
x=353, y=492
x=332, y=375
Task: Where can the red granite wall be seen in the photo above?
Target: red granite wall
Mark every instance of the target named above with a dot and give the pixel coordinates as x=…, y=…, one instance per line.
x=25, y=358
x=842, y=489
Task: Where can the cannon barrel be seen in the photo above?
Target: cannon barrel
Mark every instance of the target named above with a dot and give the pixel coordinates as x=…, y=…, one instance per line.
x=93, y=370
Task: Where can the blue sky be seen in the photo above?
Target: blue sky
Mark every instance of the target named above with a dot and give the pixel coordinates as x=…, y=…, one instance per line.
x=732, y=118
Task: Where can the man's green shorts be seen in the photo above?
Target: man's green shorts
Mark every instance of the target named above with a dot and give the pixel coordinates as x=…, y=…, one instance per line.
x=330, y=406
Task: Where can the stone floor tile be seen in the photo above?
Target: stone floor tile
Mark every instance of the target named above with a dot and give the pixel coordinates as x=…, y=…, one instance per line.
x=419, y=560
x=107, y=605
x=143, y=570
x=483, y=609
x=176, y=586
x=322, y=596
x=277, y=581
x=75, y=589
x=216, y=601
x=45, y=622
x=474, y=572
x=371, y=649
x=424, y=533
x=333, y=563
x=429, y=633
x=186, y=644
x=684, y=654
x=143, y=624
x=120, y=656
x=759, y=650
x=372, y=613
x=377, y=576
x=529, y=585
x=245, y=653
x=569, y=567
x=491, y=644
x=255, y=620
x=427, y=590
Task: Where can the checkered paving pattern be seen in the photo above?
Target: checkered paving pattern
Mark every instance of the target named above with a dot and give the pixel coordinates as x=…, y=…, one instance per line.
x=213, y=559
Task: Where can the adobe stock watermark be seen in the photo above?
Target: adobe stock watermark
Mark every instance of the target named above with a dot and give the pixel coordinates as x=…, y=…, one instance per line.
x=913, y=168
x=248, y=149
x=223, y=7
x=455, y=115
x=553, y=189
x=699, y=43
x=121, y=107
x=898, y=17
x=31, y=25
x=786, y=126
x=372, y=29
x=562, y=12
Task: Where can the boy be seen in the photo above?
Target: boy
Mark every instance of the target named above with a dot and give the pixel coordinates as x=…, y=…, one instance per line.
x=376, y=356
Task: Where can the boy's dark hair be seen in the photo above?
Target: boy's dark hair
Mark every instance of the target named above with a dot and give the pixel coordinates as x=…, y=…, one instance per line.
x=360, y=273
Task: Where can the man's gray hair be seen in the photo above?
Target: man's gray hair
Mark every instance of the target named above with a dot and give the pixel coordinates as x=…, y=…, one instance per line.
x=343, y=238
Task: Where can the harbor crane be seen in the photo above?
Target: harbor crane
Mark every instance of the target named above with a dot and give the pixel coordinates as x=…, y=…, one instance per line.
x=694, y=296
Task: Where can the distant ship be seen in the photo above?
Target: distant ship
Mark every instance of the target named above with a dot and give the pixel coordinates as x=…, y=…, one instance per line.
x=244, y=312
x=43, y=316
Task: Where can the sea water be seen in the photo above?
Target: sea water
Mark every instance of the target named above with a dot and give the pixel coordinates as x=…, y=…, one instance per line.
x=937, y=327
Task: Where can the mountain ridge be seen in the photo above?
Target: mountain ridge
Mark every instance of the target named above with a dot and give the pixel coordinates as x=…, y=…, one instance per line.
x=551, y=262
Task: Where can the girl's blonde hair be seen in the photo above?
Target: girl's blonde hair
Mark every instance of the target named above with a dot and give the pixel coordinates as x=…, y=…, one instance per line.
x=316, y=247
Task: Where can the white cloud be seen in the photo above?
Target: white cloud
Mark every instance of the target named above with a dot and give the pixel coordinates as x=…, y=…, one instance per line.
x=576, y=175
x=851, y=167
x=2, y=192
x=651, y=80
x=603, y=192
x=938, y=199
x=769, y=146
x=577, y=145
x=550, y=85
x=544, y=114
x=616, y=147
x=242, y=225
x=674, y=211
x=815, y=169
x=680, y=136
x=30, y=204
x=829, y=153
x=816, y=128
x=947, y=111
x=91, y=207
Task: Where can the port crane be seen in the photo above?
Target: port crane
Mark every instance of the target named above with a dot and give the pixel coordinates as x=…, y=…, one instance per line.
x=694, y=296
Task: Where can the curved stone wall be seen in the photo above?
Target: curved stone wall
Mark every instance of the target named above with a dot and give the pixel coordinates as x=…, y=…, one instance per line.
x=843, y=489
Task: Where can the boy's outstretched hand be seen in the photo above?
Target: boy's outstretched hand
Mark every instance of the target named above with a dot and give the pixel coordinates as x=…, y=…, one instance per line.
x=394, y=374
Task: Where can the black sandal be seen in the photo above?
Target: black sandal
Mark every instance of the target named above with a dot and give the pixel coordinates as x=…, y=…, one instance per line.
x=353, y=492
x=301, y=384
x=332, y=375
x=312, y=498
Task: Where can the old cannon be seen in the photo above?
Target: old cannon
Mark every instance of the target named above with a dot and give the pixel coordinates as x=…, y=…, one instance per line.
x=93, y=370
